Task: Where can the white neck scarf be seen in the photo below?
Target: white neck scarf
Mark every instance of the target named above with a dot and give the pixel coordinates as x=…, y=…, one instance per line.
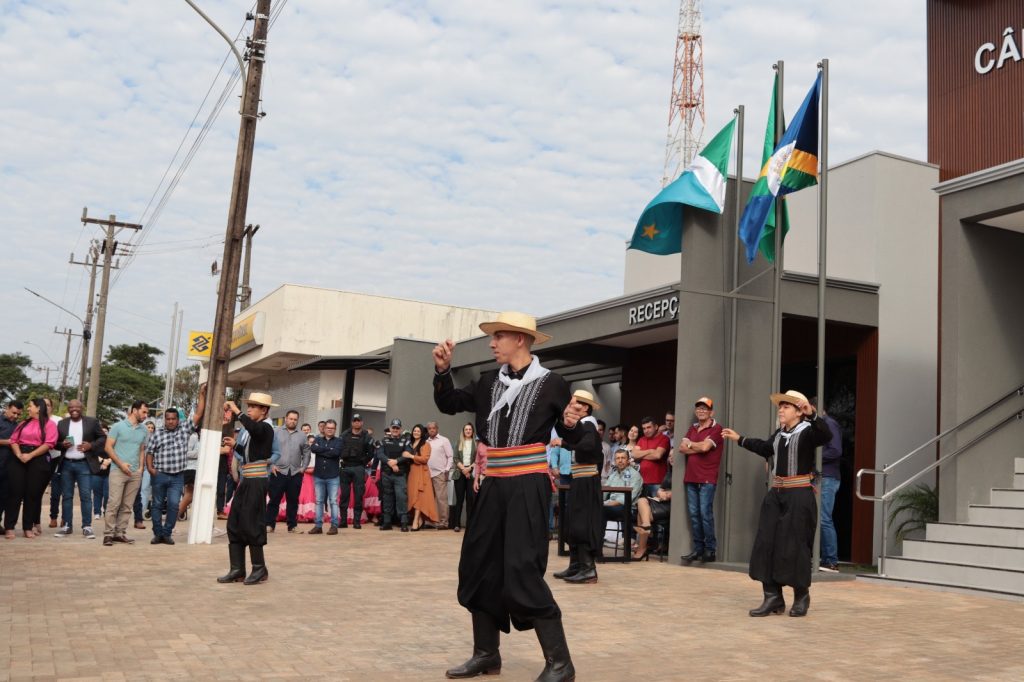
x=514, y=386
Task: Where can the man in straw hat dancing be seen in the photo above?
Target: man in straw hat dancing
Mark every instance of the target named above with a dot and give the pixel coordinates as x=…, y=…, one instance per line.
x=505, y=548
x=245, y=522
x=585, y=508
x=789, y=513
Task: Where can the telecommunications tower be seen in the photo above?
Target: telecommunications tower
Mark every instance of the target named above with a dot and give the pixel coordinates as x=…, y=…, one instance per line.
x=686, y=106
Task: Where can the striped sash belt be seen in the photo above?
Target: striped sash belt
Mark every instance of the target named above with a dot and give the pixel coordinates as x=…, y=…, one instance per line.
x=801, y=481
x=583, y=470
x=254, y=470
x=517, y=461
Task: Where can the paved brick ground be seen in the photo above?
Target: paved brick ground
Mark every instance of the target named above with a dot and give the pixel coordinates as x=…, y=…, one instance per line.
x=367, y=605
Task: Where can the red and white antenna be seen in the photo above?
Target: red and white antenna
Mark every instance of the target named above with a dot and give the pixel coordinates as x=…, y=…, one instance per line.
x=686, y=107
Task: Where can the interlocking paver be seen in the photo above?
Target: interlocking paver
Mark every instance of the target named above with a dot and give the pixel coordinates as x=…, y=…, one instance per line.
x=367, y=605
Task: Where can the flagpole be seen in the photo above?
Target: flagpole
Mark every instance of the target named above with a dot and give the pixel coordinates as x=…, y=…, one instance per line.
x=780, y=126
x=730, y=410
x=822, y=282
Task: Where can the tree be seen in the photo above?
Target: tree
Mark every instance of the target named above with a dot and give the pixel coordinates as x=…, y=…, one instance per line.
x=128, y=375
x=186, y=388
x=141, y=357
x=13, y=378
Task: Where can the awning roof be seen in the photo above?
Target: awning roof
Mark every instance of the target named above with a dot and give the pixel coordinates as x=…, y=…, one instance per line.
x=321, y=362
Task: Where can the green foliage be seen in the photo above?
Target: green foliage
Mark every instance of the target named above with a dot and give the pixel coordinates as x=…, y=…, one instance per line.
x=128, y=375
x=140, y=357
x=920, y=504
x=39, y=390
x=13, y=378
x=186, y=387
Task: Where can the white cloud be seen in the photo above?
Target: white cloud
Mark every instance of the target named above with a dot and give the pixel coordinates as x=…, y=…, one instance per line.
x=476, y=153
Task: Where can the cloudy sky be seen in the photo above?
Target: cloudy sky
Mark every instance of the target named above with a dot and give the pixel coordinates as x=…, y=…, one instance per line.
x=476, y=153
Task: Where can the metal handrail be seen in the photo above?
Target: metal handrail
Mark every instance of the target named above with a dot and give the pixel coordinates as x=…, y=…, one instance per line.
x=887, y=495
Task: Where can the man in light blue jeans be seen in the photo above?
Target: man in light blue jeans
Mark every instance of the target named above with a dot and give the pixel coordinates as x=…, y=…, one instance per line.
x=830, y=456
x=326, y=472
x=166, y=460
x=702, y=447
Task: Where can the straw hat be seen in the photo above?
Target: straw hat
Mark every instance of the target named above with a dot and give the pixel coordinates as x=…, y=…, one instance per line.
x=515, y=322
x=792, y=397
x=587, y=398
x=260, y=399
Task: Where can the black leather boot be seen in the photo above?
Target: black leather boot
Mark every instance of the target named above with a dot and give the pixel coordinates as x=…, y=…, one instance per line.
x=574, y=565
x=773, y=602
x=485, y=659
x=801, y=602
x=259, y=567
x=557, y=662
x=237, y=572
x=588, y=570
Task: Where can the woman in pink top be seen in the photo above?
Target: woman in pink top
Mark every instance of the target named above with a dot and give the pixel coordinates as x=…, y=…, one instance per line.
x=28, y=471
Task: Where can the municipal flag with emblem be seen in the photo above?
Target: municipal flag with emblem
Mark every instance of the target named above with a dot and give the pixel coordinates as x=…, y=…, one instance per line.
x=702, y=185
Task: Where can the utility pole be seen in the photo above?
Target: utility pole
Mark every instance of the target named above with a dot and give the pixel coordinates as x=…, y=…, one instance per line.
x=170, y=358
x=201, y=529
x=87, y=324
x=67, y=358
x=246, y=293
x=109, y=245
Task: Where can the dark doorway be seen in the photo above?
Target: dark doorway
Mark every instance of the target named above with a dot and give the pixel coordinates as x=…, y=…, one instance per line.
x=851, y=369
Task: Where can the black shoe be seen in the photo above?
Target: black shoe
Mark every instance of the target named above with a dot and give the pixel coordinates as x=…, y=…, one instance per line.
x=573, y=568
x=708, y=557
x=157, y=540
x=587, y=572
x=695, y=555
x=557, y=662
x=485, y=659
x=773, y=603
x=385, y=526
x=357, y=525
x=343, y=524
x=801, y=602
x=405, y=527
x=168, y=540
x=259, y=567
x=237, y=572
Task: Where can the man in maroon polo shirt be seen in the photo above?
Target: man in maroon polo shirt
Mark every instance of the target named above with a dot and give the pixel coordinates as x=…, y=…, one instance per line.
x=651, y=452
x=703, y=449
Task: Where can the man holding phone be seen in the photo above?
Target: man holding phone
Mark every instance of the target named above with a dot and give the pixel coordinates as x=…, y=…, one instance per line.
x=82, y=440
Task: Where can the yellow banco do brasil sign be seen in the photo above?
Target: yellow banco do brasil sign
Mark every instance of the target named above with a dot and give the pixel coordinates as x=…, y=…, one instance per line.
x=245, y=335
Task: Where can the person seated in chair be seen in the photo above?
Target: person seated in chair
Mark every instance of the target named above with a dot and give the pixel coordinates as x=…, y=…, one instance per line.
x=650, y=510
x=622, y=476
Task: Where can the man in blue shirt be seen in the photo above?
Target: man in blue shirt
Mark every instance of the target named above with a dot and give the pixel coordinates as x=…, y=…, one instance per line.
x=831, y=454
x=124, y=446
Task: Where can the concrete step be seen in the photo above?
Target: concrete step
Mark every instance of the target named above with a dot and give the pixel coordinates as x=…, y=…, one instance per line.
x=995, y=515
x=956, y=574
x=1001, y=536
x=938, y=587
x=965, y=553
x=1007, y=497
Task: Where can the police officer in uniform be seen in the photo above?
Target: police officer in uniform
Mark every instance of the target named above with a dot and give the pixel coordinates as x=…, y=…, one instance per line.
x=394, y=473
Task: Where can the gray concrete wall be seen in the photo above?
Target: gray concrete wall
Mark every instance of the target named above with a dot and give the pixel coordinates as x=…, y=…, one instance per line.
x=982, y=328
x=410, y=391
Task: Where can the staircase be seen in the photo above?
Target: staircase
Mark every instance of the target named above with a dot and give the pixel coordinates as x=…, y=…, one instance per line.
x=984, y=555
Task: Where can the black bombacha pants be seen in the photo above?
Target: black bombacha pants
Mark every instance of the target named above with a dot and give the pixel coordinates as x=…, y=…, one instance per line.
x=585, y=528
x=505, y=552
x=248, y=506
x=785, y=538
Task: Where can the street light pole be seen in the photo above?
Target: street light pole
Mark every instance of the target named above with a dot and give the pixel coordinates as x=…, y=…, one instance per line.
x=201, y=530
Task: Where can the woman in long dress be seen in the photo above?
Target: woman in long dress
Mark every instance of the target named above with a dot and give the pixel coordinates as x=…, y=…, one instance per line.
x=421, y=488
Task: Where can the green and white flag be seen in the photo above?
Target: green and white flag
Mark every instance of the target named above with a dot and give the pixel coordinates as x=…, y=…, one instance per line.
x=702, y=185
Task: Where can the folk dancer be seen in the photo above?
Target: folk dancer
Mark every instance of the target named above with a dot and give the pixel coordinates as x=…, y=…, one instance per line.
x=505, y=549
x=789, y=513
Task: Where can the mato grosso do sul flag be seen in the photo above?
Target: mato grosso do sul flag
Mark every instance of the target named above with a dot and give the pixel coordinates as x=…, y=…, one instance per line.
x=792, y=166
x=702, y=185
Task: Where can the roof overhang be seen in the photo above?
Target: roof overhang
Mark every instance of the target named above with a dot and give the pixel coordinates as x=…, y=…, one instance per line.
x=329, y=362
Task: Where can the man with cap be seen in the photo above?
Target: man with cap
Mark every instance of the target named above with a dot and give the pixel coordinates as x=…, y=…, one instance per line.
x=702, y=447
x=789, y=514
x=505, y=549
x=255, y=443
x=356, y=452
x=394, y=472
x=585, y=521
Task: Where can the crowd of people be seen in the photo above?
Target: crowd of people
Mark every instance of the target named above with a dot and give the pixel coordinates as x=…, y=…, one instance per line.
x=142, y=469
